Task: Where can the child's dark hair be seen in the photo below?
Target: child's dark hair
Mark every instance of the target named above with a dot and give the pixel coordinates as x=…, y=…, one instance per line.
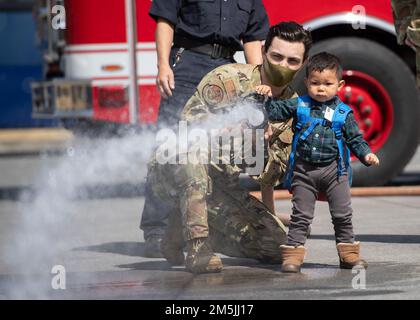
x=290, y=31
x=324, y=61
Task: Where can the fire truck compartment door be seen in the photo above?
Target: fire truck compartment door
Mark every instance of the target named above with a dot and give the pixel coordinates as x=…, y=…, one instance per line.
x=72, y=98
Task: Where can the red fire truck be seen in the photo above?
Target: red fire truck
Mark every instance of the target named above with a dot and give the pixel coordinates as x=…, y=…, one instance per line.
x=107, y=47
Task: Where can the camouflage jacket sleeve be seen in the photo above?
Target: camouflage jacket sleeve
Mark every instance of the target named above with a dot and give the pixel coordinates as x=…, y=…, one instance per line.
x=216, y=90
x=280, y=146
x=195, y=108
x=219, y=89
x=404, y=11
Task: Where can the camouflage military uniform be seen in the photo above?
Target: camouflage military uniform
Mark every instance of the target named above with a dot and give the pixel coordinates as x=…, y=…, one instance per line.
x=226, y=84
x=407, y=24
x=207, y=199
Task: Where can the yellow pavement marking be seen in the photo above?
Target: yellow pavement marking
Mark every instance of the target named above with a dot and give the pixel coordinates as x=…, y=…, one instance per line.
x=33, y=140
x=28, y=135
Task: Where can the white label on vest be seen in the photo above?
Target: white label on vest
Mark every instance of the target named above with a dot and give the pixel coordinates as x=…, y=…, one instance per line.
x=329, y=114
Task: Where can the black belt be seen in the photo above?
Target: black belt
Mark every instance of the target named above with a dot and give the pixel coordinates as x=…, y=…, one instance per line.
x=214, y=50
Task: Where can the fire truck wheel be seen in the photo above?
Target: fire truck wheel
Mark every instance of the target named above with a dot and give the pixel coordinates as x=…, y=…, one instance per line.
x=381, y=89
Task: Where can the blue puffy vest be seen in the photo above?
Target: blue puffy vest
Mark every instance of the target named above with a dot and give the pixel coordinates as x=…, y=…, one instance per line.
x=304, y=118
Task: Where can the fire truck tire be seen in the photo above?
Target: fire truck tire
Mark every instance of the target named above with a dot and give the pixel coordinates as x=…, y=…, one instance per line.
x=395, y=76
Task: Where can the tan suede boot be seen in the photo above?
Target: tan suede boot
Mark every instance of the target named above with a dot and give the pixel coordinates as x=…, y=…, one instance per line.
x=200, y=257
x=292, y=258
x=349, y=254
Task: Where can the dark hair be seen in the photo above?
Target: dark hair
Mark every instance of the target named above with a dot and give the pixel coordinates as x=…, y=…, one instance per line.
x=290, y=31
x=324, y=61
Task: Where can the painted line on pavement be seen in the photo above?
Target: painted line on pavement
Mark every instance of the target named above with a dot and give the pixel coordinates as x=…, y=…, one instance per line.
x=359, y=192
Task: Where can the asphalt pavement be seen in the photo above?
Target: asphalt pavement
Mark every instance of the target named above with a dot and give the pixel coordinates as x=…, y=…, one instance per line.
x=101, y=249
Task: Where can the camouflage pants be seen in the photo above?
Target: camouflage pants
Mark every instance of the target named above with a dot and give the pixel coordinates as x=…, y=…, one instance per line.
x=407, y=25
x=206, y=202
x=417, y=35
x=413, y=34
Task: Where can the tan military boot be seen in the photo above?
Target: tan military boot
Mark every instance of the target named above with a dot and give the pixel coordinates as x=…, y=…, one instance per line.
x=292, y=258
x=349, y=254
x=201, y=258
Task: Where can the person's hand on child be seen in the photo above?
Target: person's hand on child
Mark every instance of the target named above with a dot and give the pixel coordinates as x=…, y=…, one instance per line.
x=264, y=90
x=268, y=132
x=371, y=158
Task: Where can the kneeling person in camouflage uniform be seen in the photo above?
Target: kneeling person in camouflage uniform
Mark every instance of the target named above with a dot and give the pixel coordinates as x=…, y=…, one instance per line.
x=208, y=208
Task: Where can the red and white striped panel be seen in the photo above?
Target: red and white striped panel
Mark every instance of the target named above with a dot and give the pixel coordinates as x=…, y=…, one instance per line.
x=90, y=62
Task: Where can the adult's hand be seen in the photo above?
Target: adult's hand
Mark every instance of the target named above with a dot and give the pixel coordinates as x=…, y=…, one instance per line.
x=165, y=81
x=268, y=132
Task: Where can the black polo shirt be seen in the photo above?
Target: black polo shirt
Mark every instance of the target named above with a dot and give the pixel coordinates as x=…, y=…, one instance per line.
x=226, y=22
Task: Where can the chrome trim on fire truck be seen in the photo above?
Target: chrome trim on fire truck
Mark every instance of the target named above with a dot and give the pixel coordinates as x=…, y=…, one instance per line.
x=131, y=27
x=349, y=18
